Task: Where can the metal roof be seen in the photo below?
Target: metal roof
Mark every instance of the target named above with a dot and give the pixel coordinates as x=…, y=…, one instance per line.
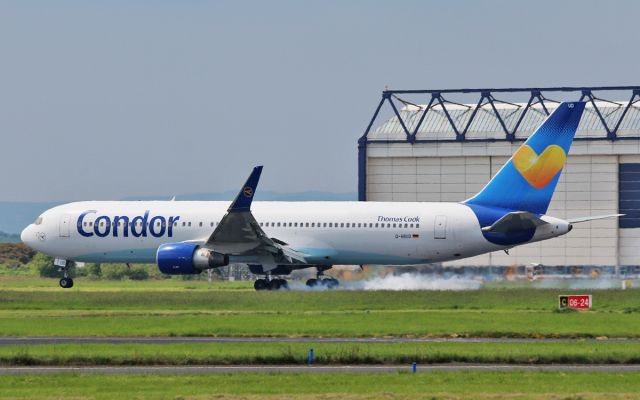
x=492, y=119
x=485, y=124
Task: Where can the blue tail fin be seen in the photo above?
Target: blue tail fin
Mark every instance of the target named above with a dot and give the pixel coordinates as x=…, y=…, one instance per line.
x=527, y=181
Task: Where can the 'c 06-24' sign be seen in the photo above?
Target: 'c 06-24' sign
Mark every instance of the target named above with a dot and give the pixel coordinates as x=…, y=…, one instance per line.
x=576, y=301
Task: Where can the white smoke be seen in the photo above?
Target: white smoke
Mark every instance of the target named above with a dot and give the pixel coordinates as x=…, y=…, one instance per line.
x=406, y=281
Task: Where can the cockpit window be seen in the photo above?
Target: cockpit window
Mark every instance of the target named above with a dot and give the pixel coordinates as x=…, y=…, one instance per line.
x=38, y=221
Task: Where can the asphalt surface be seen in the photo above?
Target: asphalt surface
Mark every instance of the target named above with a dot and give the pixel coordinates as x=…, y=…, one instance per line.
x=314, y=369
x=33, y=340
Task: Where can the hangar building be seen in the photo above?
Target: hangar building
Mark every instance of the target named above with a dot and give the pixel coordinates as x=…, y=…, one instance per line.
x=432, y=148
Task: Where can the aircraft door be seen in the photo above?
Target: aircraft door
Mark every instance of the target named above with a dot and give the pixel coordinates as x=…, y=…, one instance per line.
x=440, y=227
x=65, y=222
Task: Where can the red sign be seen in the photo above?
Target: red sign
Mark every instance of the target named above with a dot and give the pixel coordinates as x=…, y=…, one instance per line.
x=578, y=301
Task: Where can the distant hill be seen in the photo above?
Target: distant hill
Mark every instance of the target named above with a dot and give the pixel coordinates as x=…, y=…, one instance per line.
x=9, y=238
x=14, y=216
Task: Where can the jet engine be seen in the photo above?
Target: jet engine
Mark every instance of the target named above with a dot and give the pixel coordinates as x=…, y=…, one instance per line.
x=188, y=258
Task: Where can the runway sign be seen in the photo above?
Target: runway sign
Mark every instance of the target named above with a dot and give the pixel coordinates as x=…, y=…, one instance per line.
x=579, y=301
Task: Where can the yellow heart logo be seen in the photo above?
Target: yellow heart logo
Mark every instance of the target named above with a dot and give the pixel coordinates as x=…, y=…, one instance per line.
x=539, y=169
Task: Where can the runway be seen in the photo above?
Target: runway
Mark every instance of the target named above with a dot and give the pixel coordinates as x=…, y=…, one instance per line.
x=314, y=369
x=34, y=340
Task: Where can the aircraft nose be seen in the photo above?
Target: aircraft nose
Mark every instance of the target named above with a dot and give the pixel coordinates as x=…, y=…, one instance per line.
x=25, y=236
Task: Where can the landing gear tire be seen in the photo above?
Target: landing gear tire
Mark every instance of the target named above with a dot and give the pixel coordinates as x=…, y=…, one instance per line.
x=261, y=284
x=284, y=284
x=66, y=283
x=330, y=283
x=274, y=284
x=312, y=282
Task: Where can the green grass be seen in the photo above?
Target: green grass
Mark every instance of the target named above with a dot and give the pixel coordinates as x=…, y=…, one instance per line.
x=434, y=385
x=579, y=352
x=193, y=308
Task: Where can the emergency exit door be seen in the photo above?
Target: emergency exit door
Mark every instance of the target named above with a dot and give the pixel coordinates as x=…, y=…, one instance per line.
x=440, y=227
x=65, y=222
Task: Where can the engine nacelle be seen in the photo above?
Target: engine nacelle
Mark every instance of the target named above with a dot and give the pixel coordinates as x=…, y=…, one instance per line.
x=188, y=258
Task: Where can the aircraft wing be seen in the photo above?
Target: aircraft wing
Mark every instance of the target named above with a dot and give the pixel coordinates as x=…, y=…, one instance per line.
x=515, y=221
x=238, y=233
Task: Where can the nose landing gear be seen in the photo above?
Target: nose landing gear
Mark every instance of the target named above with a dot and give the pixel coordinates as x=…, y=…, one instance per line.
x=65, y=282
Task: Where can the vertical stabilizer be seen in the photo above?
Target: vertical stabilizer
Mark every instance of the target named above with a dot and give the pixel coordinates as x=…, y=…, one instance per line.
x=527, y=181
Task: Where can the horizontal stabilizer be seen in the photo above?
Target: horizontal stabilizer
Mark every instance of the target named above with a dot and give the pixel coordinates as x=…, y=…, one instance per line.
x=515, y=221
x=592, y=218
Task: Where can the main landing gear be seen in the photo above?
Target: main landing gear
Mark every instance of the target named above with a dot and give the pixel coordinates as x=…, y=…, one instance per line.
x=321, y=281
x=65, y=282
x=270, y=284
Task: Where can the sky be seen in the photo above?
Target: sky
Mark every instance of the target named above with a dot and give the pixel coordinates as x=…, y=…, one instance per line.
x=107, y=100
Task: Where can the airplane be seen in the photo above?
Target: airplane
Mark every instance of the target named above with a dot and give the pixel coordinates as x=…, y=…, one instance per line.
x=275, y=238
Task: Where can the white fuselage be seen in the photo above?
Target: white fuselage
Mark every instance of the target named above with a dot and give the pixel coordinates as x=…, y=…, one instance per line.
x=326, y=232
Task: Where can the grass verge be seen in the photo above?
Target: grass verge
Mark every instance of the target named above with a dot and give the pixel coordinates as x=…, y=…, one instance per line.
x=580, y=352
x=435, y=385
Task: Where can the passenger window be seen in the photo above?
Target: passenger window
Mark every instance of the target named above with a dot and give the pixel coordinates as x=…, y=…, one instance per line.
x=212, y=224
x=324, y=225
x=406, y=225
x=411, y=226
x=347, y=224
x=313, y=224
x=330, y=224
x=306, y=225
x=295, y=224
x=184, y=223
x=394, y=225
x=90, y=223
x=359, y=224
x=189, y=224
x=175, y=224
x=278, y=223
x=376, y=224
x=388, y=225
x=417, y=225
x=200, y=224
x=290, y=224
